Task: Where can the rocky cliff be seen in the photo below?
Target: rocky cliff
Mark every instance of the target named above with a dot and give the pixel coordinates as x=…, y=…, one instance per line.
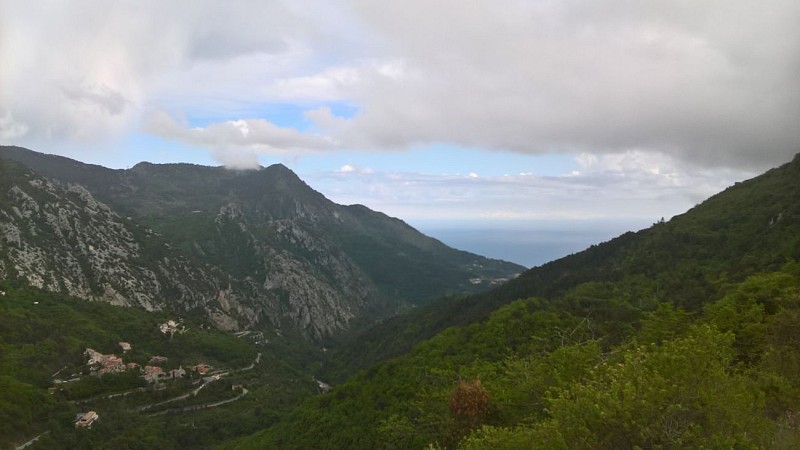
x=250, y=249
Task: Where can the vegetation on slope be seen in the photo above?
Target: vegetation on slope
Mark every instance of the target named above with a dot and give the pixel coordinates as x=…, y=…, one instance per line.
x=752, y=226
x=681, y=335
x=43, y=336
x=722, y=377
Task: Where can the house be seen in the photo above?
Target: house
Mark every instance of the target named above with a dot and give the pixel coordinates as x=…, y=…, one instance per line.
x=93, y=356
x=153, y=374
x=85, y=420
x=177, y=373
x=125, y=346
x=112, y=362
x=202, y=369
x=131, y=365
x=170, y=327
x=101, y=363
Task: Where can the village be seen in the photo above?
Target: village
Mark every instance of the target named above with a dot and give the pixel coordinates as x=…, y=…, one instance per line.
x=154, y=372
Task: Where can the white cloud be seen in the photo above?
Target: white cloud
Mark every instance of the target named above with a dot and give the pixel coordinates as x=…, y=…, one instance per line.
x=632, y=185
x=232, y=140
x=350, y=168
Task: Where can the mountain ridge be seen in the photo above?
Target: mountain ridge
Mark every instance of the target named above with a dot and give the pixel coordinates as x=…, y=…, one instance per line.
x=281, y=254
x=681, y=335
x=761, y=230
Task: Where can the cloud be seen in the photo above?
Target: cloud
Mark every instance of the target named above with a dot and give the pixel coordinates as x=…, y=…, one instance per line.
x=10, y=129
x=100, y=96
x=90, y=70
x=710, y=82
x=350, y=168
x=236, y=143
x=633, y=185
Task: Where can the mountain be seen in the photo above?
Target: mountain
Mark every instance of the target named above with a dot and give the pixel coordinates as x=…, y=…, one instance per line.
x=683, y=335
x=750, y=227
x=245, y=249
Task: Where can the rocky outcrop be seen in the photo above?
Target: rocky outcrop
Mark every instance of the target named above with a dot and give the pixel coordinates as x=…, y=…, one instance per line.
x=246, y=249
x=66, y=240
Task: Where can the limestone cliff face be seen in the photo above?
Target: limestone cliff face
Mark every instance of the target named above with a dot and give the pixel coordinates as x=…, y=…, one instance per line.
x=247, y=249
x=66, y=240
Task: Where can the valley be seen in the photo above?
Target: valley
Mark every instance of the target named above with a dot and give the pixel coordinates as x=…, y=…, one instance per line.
x=399, y=225
x=165, y=327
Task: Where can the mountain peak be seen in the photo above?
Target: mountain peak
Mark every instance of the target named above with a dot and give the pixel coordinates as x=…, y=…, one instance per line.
x=248, y=248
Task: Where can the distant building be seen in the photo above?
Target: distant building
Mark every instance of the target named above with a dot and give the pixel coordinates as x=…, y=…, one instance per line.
x=85, y=420
x=92, y=356
x=153, y=374
x=171, y=327
x=125, y=346
x=202, y=369
x=100, y=363
x=180, y=372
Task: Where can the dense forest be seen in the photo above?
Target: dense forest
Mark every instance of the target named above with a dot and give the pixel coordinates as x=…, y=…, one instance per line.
x=682, y=335
x=536, y=375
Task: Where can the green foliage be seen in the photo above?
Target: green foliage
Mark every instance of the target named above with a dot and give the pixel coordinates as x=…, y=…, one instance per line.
x=405, y=403
x=751, y=227
x=665, y=323
x=544, y=436
x=679, y=380
x=684, y=335
x=676, y=395
x=43, y=336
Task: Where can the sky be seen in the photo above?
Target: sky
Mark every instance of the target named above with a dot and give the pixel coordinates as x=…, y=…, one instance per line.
x=478, y=114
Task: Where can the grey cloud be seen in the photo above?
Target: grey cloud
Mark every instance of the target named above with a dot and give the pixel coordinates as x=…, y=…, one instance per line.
x=11, y=129
x=714, y=82
x=107, y=99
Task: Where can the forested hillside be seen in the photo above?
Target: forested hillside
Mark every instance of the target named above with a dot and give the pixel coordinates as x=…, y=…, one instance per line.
x=679, y=336
x=751, y=227
x=536, y=376
x=45, y=379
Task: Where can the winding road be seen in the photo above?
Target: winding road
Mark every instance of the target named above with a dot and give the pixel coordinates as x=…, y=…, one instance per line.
x=206, y=382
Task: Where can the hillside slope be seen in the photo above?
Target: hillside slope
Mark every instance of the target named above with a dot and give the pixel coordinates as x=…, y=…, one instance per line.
x=260, y=247
x=750, y=227
x=683, y=335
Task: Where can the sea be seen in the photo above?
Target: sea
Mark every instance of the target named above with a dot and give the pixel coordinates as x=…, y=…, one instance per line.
x=528, y=243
